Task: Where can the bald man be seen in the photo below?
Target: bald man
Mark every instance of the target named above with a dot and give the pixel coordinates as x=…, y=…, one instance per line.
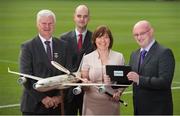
x=79, y=40
x=152, y=73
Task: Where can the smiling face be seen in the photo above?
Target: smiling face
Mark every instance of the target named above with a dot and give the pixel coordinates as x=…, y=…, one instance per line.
x=46, y=26
x=102, y=38
x=143, y=33
x=103, y=42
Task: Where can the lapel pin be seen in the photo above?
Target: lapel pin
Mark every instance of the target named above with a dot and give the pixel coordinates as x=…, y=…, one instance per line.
x=56, y=55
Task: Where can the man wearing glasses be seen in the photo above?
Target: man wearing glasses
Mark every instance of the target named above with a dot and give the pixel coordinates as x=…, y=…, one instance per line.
x=152, y=73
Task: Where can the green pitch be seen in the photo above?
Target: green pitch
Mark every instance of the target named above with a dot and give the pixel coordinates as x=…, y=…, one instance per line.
x=17, y=24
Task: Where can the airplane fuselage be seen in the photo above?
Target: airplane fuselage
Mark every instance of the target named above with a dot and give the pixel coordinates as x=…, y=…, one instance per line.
x=55, y=82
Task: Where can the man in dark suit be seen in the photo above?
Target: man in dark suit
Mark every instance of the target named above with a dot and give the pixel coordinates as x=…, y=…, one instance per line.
x=80, y=43
x=152, y=73
x=35, y=60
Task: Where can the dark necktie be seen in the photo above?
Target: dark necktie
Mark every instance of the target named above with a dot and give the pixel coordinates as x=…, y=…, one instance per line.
x=48, y=50
x=143, y=54
x=79, y=41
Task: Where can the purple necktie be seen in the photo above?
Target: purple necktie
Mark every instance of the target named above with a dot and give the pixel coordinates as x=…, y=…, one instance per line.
x=48, y=50
x=143, y=54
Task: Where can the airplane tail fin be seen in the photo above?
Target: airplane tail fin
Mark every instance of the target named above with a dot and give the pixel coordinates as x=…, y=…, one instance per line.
x=9, y=69
x=63, y=69
x=60, y=67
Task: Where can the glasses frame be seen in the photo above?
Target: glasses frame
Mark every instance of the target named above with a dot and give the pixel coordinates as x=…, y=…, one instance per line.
x=142, y=33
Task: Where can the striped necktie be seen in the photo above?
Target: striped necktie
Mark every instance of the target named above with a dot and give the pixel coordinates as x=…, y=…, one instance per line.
x=48, y=50
x=143, y=54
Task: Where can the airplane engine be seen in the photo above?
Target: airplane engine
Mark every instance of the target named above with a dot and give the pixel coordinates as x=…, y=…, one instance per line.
x=101, y=89
x=37, y=86
x=34, y=86
x=77, y=90
x=22, y=80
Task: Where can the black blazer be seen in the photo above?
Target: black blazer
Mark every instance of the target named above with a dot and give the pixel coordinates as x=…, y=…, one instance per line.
x=74, y=56
x=34, y=61
x=153, y=94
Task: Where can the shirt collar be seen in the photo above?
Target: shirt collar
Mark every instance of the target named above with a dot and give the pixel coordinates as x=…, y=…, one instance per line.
x=43, y=39
x=83, y=34
x=149, y=46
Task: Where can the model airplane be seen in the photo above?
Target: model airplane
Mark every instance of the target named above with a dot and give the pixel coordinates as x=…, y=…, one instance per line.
x=62, y=81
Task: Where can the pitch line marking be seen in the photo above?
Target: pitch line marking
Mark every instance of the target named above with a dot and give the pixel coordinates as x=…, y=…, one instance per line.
x=176, y=82
x=9, y=106
x=8, y=61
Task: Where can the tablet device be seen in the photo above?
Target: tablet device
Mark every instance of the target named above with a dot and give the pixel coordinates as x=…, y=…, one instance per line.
x=118, y=73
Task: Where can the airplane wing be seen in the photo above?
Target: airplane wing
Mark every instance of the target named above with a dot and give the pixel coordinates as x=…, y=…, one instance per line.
x=101, y=88
x=61, y=68
x=93, y=84
x=25, y=75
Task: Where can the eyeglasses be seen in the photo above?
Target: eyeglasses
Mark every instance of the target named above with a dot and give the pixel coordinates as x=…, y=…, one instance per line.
x=141, y=34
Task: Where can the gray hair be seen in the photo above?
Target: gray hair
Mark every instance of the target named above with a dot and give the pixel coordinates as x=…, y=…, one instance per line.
x=46, y=13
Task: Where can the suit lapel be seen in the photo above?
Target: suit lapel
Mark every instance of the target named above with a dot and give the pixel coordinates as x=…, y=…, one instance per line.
x=149, y=55
x=55, y=50
x=86, y=41
x=74, y=41
x=41, y=51
x=137, y=60
x=40, y=47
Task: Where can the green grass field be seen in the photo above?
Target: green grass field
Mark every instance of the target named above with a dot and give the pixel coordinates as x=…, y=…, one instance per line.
x=17, y=22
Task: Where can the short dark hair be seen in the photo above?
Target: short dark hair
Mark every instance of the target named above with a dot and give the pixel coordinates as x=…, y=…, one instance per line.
x=100, y=31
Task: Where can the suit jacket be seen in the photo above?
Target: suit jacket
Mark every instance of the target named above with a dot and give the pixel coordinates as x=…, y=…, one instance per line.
x=75, y=56
x=34, y=61
x=153, y=94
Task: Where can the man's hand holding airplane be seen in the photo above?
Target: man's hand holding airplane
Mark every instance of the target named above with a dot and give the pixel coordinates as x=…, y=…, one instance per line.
x=49, y=102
